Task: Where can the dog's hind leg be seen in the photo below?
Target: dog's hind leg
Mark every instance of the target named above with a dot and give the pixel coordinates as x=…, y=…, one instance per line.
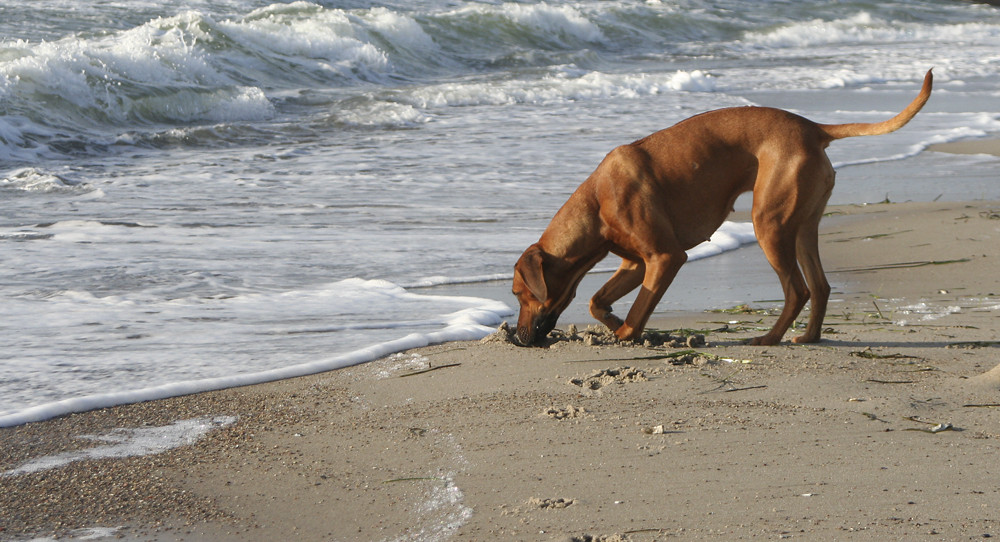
x=779, y=247
x=821, y=172
x=786, y=214
x=819, y=288
x=628, y=277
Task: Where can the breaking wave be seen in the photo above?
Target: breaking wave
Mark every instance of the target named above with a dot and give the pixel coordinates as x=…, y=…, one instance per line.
x=217, y=79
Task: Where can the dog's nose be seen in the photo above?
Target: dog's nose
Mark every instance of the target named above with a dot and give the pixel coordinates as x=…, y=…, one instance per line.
x=524, y=337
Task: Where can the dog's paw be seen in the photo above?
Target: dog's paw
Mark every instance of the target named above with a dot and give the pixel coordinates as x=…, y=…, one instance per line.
x=763, y=340
x=625, y=332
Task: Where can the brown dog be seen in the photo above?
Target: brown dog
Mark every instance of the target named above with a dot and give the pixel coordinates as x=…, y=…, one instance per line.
x=651, y=200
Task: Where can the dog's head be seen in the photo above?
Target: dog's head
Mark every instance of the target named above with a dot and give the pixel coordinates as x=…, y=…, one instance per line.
x=539, y=308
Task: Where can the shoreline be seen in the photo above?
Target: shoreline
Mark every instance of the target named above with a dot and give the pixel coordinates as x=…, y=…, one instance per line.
x=495, y=442
x=988, y=145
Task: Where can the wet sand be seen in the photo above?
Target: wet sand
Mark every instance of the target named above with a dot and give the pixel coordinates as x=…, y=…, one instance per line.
x=887, y=429
x=989, y=146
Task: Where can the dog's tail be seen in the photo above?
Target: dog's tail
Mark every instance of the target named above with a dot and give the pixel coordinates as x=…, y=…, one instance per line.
x=840, y=131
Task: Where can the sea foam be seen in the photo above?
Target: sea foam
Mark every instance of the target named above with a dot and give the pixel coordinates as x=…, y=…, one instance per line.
x=366, y=304
x=128, y=443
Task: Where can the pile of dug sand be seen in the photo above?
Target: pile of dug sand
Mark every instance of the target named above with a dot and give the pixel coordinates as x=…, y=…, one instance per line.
x=599, y=335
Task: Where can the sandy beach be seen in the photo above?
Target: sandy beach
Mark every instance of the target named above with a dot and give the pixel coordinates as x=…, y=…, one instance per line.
x=887, y=429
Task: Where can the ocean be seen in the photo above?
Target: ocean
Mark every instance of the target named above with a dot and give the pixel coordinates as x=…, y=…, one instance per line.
x=197, y=195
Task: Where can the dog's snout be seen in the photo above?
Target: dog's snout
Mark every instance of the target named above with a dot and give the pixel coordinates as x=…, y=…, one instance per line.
x=537, y=331
x=524, y=337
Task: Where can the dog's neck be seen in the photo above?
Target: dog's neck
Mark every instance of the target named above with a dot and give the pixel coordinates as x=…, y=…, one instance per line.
x=573, y=238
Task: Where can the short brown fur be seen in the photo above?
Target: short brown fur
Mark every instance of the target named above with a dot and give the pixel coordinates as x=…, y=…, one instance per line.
x=651, y=200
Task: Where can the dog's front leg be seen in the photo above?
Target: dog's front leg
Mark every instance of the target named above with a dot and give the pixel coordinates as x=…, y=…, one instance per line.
x=660, y=272
x=628, y=277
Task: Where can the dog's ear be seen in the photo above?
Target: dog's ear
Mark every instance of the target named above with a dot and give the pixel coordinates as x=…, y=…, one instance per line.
x=531, y=268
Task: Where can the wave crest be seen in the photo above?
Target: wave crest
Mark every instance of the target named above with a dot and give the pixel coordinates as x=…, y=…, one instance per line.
x=36, y=181
x=89, y=92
